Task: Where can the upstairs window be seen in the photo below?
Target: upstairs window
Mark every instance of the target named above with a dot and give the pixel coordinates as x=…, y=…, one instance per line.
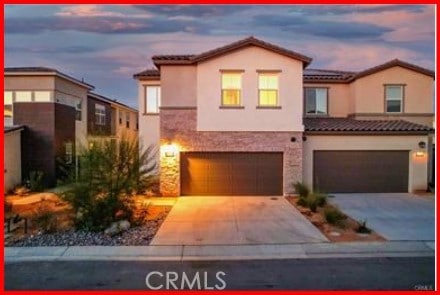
x=120, y=117
x=231, y=89
x=7, y=104
x=127, y=120
x=152, y=99
x=316, y=101
x=99, y=114
x=394, y=98
x=42, y=96
x=23, y=96
x=78, y=111
x=268, y=89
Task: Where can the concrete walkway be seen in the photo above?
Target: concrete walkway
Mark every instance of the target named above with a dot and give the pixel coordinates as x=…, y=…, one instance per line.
x=235, y=221
x=396, y=217
x=222, y=252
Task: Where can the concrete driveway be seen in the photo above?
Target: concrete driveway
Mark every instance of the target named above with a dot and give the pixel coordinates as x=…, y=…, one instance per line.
x=235, y=221
x=399, y=216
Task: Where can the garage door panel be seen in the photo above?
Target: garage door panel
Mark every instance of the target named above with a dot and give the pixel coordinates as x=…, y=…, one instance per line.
x=361, y=171
x=231, y=173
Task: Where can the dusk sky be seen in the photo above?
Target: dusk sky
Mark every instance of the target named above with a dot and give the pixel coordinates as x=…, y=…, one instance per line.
x=107, y=44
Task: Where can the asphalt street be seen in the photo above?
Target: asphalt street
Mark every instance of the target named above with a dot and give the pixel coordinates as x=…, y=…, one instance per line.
x=398, y=273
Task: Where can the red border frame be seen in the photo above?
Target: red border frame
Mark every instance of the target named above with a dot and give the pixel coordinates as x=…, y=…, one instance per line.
x=206, y=2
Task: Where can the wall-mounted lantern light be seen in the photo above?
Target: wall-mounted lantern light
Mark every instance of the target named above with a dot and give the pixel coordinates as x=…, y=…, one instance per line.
x=422, y=144
x=170, y=150
x=420, y=154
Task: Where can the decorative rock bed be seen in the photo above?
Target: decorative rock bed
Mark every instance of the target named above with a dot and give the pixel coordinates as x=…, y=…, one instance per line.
x=135, y=236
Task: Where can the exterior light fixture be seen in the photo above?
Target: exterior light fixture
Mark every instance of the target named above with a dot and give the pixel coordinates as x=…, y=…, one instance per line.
x=170, y=150
x=420, y=154
x=422, y=144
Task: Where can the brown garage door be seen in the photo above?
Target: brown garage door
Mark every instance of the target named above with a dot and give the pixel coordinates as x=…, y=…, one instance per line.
x=231, y=173
x=360, y=171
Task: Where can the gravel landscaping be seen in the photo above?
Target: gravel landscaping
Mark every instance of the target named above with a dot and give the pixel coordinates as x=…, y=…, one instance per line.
x=135, y=236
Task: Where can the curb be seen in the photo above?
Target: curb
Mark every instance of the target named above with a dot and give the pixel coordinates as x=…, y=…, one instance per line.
x=221, y=252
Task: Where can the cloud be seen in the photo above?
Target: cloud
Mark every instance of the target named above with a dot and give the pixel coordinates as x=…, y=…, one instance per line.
x=321, y=28
x=103, y=25
x=194, y=10
x=89, y=10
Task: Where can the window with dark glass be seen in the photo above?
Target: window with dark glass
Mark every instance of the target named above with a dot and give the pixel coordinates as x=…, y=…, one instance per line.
x=393, y=98
x=316, y=100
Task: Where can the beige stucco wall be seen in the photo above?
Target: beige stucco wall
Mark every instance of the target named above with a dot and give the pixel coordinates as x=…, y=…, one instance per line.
x=179, y=86
x=338, y=98
x=418, y=166
x=149, y=129
x=121, y=129
x=29, y=83
x=12, y=156
x=369, y=91
x=250, y=59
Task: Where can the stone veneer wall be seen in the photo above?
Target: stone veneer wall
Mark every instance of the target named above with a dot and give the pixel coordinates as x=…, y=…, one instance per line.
x=179, y=125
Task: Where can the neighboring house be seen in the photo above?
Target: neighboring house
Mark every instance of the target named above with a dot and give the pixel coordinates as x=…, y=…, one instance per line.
x=110, y=118
x=12, y=156
x=58, y=115
x=249, y=118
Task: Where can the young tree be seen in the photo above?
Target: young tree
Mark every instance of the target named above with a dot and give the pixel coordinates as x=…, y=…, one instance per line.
x=111, y=172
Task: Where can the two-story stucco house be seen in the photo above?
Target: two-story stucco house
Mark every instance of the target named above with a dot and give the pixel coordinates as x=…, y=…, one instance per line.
x=250, y=118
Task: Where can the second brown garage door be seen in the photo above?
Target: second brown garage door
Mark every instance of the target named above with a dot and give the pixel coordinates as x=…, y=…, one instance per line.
x=231, y=173
x=361, y=171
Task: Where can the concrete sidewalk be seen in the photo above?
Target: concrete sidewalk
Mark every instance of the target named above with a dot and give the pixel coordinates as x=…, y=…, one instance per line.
x=222, y=252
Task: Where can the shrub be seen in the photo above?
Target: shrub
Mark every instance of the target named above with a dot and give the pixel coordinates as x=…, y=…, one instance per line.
x=36, y=181
x=334, y=216
x=301, y=189
x=362, y=227
x=44, y=218
x=321, y=199
x=111, y=173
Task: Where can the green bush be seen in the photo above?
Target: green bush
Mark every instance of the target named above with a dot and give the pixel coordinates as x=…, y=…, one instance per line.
x=334, y=216
x=313, y=201
x=44, y=218
x=301, y=189
x=36, y=181
x=362, y=227
x=111, y=173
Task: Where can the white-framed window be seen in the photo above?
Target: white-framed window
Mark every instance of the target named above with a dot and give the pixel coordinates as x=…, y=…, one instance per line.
x=127, y=120
x=42, y=96
x=268, y=89
x=231, y=89
x=23, y=96
x=394, y=98
x=152, y=99
x=68, y=152
x=120, y=113
x=78, y=108
x=8, y=101
x=99, y=114
x=316, y=101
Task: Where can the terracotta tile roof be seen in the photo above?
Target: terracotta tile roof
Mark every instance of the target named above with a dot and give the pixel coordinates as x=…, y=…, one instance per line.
x=327, y=76
x=394, y=63
x=250, y=41
x=363, y=126
x=149, y=74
